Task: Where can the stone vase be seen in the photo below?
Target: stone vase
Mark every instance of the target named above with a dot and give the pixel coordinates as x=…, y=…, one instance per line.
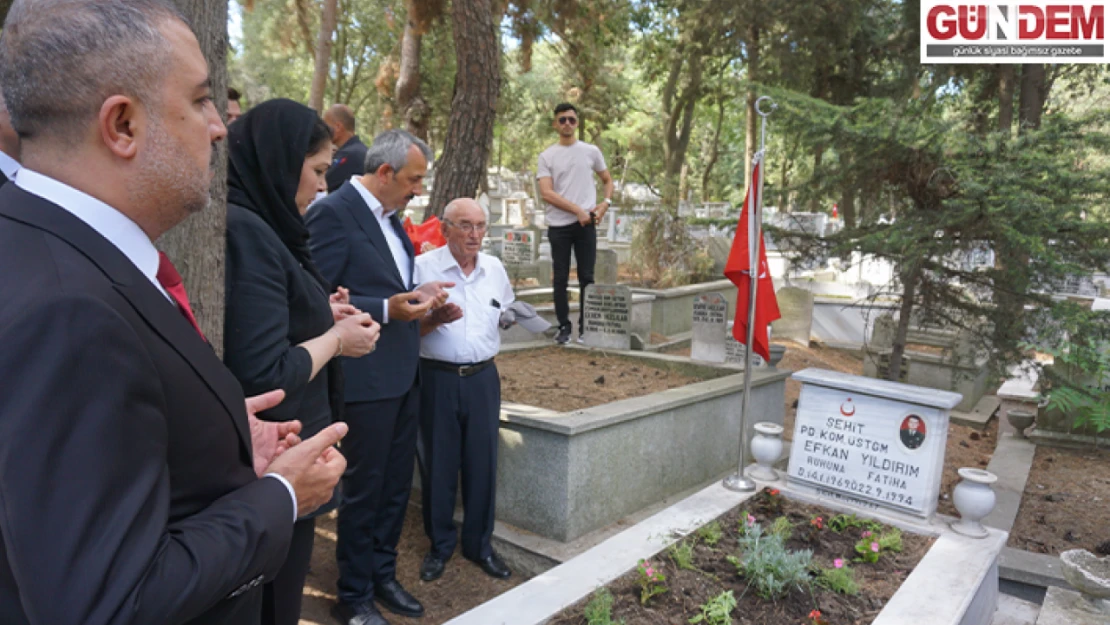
x=776, y=352
x=974, y=498
x=766, y=449
x=1020, y=419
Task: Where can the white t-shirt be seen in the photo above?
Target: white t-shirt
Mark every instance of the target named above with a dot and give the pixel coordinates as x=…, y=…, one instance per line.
x=571, y=169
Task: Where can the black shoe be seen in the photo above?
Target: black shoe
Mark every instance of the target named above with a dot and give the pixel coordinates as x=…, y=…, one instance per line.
x=396, y=599
x=432, y=568
x=563, y=337
x=493, y=566
x=359, y=614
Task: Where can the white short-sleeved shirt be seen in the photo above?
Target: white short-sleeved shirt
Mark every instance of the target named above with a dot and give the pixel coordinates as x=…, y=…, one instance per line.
x=476, y=336
x=571, y=169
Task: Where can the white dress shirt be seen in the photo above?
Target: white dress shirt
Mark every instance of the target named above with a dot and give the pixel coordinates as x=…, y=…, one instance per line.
x=119, y=230
x=396, y=246
x=475, y=337
x=9, y=166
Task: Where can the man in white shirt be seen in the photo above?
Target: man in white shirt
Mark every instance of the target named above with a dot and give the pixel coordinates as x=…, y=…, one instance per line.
x=9, y=145
x=460, y=400
x=566, y=178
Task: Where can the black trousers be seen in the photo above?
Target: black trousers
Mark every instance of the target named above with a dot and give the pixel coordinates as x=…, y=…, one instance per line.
x=281, y=598
x=459, y=419
x=380, y=448
x=583, y=240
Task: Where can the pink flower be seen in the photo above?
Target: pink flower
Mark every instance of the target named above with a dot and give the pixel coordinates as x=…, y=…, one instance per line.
x=838, y=563
x=875, y=547
x=867, y=534
x=751, y=520
x=650, y=572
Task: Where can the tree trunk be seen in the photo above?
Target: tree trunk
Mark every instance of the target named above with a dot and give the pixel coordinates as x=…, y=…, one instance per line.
x=474, y=107
x=410, y=104
x=848, y=195
x=197, y=245
x=1032, y=98
x=714, y=151
x=323, y=55
x=909, y=291
x=1006, y=85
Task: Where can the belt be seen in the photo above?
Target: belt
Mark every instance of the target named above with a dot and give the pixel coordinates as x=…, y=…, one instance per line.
x=463, y=371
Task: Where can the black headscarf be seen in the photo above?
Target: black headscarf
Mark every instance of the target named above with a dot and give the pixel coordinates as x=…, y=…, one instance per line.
x=267, y=148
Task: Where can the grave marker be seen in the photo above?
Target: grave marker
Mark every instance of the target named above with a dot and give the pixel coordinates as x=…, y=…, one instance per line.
x=796, y=306
x=710, y=325
x=735, y=351
x=607, y=316
x=518, y=247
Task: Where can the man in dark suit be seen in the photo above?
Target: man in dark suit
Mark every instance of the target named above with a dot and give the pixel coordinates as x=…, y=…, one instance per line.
x=357, y=240
x=9, y=145
x=129, y=469
x=350, y=158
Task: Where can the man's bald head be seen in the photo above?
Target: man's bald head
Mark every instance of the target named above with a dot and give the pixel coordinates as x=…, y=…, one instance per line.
x=341, y=119
x=463, y=207
x=464, y=227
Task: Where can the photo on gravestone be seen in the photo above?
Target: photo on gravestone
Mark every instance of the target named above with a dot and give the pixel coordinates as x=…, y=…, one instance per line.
x=607, y=316
x=870, y=443
x=518, y=247
x=710, y=324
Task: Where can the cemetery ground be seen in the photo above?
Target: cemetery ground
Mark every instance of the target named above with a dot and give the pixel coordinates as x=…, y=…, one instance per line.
x=697, y=572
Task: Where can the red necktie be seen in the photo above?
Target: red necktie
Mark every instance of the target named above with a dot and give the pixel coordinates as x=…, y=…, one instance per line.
x=171, y=281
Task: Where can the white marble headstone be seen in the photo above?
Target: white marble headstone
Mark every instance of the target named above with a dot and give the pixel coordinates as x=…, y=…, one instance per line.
x=607, y=316
x=710, y=325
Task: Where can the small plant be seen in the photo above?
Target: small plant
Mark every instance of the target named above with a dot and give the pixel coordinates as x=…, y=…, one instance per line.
x=815, y=618
x=842, y=522
x=747, y=521
x=891, y=540
x=682, y=553
x=718, y=610
x=817, y=522
x=782, y=527
x=652, y=581
x=774, y=500
x=599, y=611
x=868, y=548
x=711, y=534
x=769, y=566
x=841, y=578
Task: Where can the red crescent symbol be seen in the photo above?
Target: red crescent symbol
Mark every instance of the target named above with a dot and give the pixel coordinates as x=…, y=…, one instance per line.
x=845, y=413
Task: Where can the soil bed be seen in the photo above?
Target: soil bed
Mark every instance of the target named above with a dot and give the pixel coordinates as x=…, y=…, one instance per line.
x=689, y=589
x=563, y=380
x=1065, y=502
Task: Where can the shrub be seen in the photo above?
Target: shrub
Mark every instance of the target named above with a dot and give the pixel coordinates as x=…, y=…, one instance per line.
x=718, y=610
x=769, y=566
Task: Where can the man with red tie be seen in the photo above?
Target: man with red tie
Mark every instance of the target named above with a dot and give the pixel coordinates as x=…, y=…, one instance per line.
x=134, y=488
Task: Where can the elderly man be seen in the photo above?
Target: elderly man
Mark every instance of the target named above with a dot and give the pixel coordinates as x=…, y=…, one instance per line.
x=9, y=145
x=350, y=159
x=128, y=465
x=358, y=241
x=460, y=398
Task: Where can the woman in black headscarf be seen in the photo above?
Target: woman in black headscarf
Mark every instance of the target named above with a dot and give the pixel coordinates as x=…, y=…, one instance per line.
x=281, y=330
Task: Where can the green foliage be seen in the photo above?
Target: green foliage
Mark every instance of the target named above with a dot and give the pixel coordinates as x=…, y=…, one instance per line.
x=869, y=548
x=842, y=522
x=682, y=553
x=651, y=579
x=1078, y=382
x=891, y=540
x=711, y=533
x=599, y=610
x=718, y=610
x=782, y=528
x=769, y=566
x=840, y=580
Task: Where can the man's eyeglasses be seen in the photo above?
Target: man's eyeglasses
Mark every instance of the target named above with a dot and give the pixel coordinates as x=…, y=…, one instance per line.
x=573, y=121
x=468, y=227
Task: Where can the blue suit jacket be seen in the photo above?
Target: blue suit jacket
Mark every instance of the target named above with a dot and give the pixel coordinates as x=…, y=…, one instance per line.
x=351, y=251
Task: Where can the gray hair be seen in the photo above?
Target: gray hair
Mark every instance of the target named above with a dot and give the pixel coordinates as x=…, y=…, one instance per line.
x=392, y=148
x=61, y=59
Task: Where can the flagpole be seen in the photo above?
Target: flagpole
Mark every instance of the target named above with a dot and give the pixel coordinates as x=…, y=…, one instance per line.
x=738, y=481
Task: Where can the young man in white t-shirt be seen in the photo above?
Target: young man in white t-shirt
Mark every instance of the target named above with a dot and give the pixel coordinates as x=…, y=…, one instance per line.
x=565, y=174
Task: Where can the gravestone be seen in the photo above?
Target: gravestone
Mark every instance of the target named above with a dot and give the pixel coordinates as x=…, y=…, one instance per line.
x=796, y=306
x=710, y=325
x=870, y=443
x=605, y=267
x=607, y=316
x=735, y=351
x=518, y=247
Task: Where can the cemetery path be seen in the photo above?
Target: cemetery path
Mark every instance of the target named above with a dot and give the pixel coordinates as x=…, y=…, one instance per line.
x=967, y=447
x=462, y=587
x=1065, y=502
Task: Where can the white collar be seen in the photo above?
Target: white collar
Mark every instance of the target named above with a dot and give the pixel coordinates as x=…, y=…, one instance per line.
x=370, y=199
x=445, y=260
x=111, y=224
x=8, y=165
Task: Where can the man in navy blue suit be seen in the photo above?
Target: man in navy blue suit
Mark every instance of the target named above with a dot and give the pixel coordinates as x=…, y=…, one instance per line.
x=357, y=240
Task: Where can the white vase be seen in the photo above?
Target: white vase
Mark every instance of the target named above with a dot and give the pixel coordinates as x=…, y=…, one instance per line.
x=974, y=498
x=766, y=449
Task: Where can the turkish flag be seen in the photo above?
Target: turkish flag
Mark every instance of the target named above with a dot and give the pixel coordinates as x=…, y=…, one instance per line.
x=427, y=232
x=738, y=270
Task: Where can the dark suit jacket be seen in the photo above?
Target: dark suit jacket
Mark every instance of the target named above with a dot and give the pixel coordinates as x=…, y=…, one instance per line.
x=3, y=178
x=351, y=251
x=349, y=160
x=127, y=493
